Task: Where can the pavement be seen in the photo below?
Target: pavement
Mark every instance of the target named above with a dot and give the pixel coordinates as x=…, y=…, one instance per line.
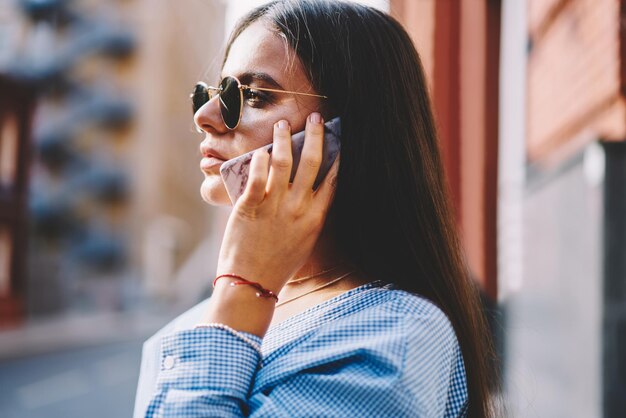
x=74, y=366
x=95, y=382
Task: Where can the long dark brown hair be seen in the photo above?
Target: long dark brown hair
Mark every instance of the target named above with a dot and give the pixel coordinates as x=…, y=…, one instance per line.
x=391, y=215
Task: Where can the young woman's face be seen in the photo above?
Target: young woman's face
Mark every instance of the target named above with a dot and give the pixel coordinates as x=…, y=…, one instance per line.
x=258, y=58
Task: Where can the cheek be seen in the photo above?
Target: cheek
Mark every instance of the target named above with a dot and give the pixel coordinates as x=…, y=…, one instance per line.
x=257, y=131
x=257, y=127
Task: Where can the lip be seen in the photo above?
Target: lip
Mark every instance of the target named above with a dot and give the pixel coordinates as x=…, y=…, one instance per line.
x=209, y=152
x=211, y=159
x=210, y=163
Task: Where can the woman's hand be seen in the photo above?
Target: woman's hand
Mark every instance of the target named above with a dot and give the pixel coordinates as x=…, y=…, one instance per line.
x=274, y=225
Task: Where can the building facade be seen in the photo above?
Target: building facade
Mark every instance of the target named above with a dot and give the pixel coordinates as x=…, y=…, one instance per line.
x=529, y=98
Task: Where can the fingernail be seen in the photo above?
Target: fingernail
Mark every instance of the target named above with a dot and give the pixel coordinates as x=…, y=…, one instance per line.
x=316, y=117
x=283, y=124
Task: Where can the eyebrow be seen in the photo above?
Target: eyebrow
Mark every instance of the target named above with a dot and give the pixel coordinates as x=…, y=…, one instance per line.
x=251, y=76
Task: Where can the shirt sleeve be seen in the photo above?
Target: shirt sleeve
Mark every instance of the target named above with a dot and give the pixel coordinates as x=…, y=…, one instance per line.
x=205, y=372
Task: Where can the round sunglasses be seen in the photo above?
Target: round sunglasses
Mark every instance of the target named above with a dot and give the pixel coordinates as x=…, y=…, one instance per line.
x=231, y=93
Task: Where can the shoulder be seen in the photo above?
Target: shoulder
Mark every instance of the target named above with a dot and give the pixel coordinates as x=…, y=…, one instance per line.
x=433, y=371
x=385, y=338
x=381, y=321
x=411, y=338
x=422, y=323
x=388, y=310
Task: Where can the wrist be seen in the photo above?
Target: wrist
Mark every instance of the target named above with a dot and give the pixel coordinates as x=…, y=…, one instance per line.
x=239, y=307
x=261, y=291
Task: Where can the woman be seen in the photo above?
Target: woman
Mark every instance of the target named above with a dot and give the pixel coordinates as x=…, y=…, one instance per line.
x=375, y=315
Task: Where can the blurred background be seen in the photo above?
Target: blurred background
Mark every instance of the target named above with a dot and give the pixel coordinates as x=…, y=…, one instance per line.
x=104, y=237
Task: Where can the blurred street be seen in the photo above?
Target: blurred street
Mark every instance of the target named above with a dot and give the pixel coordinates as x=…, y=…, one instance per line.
x=76, y=366
x=91, y=382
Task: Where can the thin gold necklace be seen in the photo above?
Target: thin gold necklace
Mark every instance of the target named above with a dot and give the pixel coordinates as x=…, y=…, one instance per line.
x=315, y=289
x=319, y=273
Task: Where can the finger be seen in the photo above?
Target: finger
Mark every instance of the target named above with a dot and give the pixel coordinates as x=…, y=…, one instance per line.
x=281, y=161
x=324, y=193
x=254, y=192
x=312, y=152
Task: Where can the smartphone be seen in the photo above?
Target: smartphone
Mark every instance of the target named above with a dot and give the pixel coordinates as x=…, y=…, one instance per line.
x=235, y=172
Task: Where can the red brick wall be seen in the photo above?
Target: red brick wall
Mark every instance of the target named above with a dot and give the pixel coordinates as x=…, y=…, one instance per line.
x=573, y=74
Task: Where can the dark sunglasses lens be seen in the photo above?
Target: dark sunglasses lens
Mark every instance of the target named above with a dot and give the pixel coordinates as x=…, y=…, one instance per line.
x=230, y=102
x=199, y=97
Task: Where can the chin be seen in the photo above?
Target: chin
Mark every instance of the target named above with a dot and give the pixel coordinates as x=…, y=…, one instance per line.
x=214, y=193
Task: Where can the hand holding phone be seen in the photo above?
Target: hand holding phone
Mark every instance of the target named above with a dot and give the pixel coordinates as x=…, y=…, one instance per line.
x=234, y=172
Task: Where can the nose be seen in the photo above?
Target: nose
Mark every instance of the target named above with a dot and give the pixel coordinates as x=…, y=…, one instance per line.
x=209, y=119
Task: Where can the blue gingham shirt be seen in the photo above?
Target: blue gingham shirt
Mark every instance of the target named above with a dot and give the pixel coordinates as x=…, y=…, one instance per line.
x=372, y=351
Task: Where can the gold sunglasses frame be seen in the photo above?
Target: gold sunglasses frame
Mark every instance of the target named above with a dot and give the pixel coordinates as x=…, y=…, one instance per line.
x=241, y=88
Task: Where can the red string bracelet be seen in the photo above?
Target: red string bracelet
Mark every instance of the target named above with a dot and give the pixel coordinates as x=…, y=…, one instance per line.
x=261, y=291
